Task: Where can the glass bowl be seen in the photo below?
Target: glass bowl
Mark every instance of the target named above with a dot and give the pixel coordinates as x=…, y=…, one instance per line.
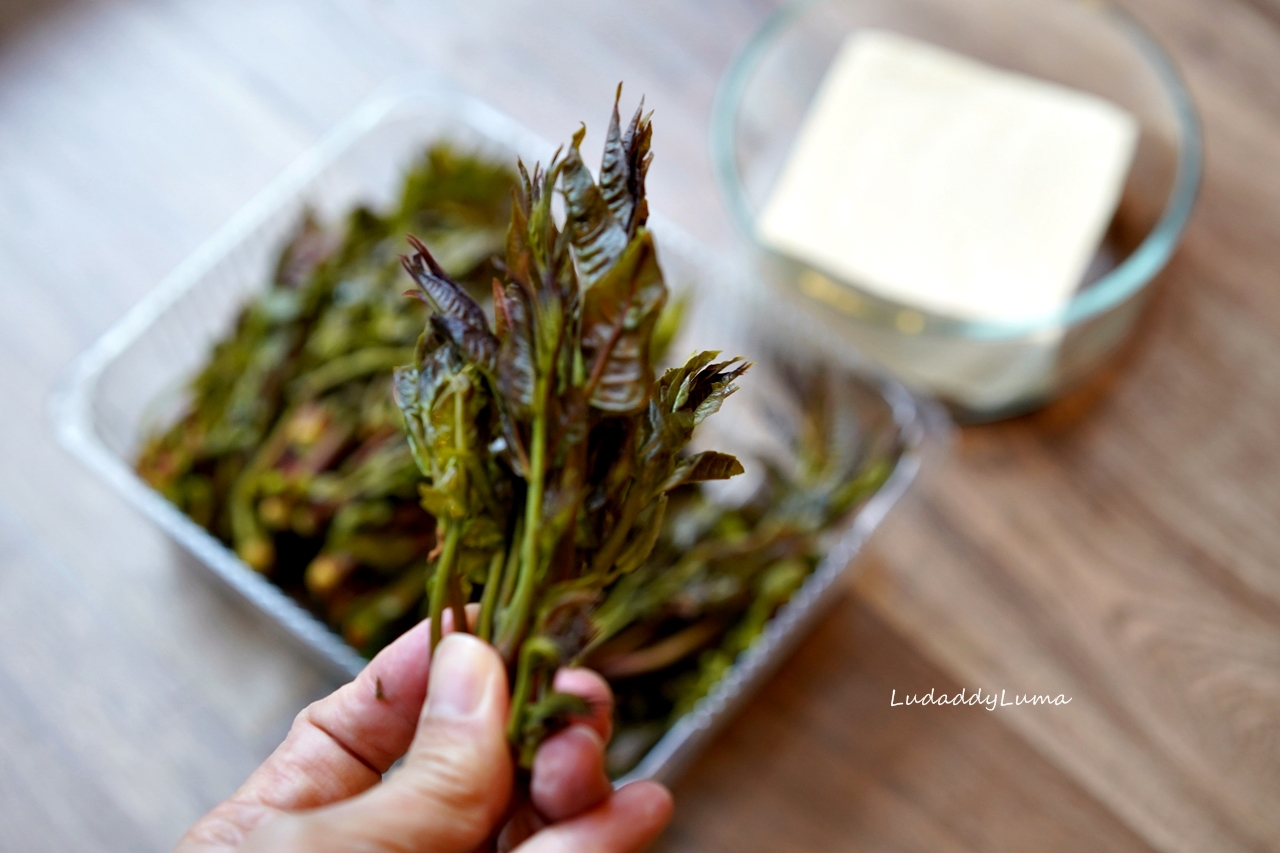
x=983, y=370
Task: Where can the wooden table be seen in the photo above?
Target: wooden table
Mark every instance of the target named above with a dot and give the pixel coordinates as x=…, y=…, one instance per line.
x=1120, y=548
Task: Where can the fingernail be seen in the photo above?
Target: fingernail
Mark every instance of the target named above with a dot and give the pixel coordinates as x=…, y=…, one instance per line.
x=587, y=733
x=459, y=677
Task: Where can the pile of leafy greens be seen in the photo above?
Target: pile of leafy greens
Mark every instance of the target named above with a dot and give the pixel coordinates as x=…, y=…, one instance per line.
x=290, y=448
x=522, y=453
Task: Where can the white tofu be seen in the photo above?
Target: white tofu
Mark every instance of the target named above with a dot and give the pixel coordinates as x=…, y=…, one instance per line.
x=934, y=180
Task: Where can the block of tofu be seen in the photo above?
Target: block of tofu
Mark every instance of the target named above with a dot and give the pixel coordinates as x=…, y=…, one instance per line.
x=937, y=181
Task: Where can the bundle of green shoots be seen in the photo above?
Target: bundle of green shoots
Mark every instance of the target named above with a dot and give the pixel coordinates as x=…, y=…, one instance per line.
x=547, y=442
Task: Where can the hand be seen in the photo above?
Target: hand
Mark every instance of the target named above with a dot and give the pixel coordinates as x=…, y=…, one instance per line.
x=322, y=789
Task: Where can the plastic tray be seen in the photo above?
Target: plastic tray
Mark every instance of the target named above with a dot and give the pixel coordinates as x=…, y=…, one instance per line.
x=117, y=389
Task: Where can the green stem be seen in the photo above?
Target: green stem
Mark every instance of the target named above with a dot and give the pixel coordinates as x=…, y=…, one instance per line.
x=440, y=583
x=519, y=696
x=445, y=587
x=522, y=601
x=663, y=653
x=489, y=598
x=536, y=650
x=511, y=570
x=608, y=553
x=458, y=605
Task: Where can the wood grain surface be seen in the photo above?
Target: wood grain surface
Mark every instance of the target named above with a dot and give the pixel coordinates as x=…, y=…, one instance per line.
x=1120, y=547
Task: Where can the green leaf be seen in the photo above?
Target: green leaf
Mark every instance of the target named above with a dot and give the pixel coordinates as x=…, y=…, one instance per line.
x=597, y=236
x=443, y=401
x=311, y=246
x=701, y=467
x=537, y=253
x=623, y=168
x=520, y=266
x=443, y=293
x=641, y=544
x=433, y=500
x=516, y=370
x=478, y=345
x=700, y=387
x=344, y=368
x=455, y=190
x=618, y=316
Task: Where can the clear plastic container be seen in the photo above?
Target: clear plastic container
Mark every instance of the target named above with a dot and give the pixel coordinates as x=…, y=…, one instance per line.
x=132, y=378
x=982, y=370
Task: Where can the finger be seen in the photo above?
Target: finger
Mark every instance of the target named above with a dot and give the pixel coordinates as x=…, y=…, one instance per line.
x=342, y=744
x=568, y=771
x=336, y=748
x=456, y=780
x=592, y=687
x=568, y=774
x=523, y=822
x=625, y=823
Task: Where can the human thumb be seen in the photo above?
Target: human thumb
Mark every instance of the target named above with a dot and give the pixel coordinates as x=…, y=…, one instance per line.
x=453, y=788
